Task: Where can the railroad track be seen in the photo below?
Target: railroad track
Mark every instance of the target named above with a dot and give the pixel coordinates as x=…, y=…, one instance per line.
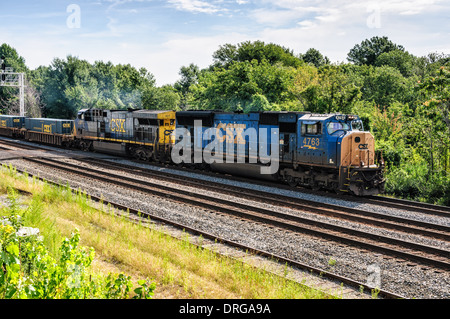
x=421, y=254
x=357, y=215
x=18, y=145
x=286, y=261
x=427, y=229
x=380, y=200
x=437, y=210
x=406, y=225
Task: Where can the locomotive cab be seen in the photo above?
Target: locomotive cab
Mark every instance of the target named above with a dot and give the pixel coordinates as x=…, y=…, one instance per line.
x=334, y=152
x=359, y=171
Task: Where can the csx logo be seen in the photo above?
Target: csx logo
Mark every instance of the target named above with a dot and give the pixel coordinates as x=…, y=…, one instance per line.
x=232, y=129
x=363, y=146
x=117, y=125
x=3, y=123
x=47, y=128
x=66, y=125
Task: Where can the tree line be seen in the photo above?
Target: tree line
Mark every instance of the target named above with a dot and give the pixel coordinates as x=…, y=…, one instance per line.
x=404, y=100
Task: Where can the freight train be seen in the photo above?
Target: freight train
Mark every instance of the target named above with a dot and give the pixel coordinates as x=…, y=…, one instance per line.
x=319, y=151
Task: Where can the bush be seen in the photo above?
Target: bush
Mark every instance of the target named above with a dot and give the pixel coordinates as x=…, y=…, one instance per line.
x=28, y=271
x=416, y=183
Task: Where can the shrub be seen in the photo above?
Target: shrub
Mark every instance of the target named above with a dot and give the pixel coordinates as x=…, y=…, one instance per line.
x=28, y=271
x=416, y=183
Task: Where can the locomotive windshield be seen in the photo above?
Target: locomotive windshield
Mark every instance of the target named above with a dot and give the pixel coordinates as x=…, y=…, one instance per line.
x=357, y=126
x=333, y=127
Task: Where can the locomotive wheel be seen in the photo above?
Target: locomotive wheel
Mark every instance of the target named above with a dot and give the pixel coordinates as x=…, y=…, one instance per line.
x=315, y=186
x=85, y=146
x=291, y=181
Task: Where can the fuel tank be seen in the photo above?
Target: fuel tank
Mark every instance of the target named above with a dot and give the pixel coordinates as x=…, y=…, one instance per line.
x=243, y=169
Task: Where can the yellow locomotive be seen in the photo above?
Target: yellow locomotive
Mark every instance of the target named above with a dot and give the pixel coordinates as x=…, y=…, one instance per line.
x=143, y=134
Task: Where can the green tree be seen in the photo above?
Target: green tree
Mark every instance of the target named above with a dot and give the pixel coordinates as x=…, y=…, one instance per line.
x=436, y=109
x=385, y=85
x=370, y=49
x=243, y=84
x=257, y=50
x=12, y=58
x=9, y=97
x=401, y=60
x=314, y=57
x=161, y=98
x=225, y=55
x=69, y=85
x=334, y=92
x=437, y=89
x=258, y=103
x=189, y=76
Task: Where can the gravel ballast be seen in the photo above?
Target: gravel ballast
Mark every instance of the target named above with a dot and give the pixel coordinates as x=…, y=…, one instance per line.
x=403, y=278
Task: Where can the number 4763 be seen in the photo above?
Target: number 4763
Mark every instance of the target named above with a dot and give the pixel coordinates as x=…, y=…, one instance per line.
x=311, y=141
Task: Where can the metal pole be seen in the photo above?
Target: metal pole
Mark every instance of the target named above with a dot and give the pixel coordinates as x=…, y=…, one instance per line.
x=22, y=94
x=12, y=79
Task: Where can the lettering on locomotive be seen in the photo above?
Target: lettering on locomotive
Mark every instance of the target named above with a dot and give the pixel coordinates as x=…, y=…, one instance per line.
x=311, y=142
x=233, y=132
x=117, y=125
x=363, y=146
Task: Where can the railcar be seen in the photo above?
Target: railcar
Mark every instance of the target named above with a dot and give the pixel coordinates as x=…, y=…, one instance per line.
x=10, y=125
x=48, y=131
x=43, y=130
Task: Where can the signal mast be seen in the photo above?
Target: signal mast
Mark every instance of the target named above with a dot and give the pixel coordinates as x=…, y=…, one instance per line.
x=9, y=78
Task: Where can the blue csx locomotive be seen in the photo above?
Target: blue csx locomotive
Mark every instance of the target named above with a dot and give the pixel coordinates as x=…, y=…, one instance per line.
x=330, y=151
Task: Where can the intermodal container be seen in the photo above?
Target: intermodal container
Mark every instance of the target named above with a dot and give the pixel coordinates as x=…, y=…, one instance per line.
x=49, y=126
x=12, y=121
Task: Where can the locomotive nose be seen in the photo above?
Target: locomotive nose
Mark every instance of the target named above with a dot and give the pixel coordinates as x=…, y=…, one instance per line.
x=358, y=150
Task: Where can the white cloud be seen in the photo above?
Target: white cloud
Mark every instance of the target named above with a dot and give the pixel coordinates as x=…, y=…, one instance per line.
x=306, y=24
x=406, y=7
x=181, y=50
x=276, y=17
x=195, y=6
x=110, y=33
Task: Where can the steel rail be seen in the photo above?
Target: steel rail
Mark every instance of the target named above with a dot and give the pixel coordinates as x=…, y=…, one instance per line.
x=292, y=263
x=315, y=228
x=363, y=216
x=411, y=205
x=376, y=200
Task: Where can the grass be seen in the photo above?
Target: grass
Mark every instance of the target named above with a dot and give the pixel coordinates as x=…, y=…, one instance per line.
x=180, y=269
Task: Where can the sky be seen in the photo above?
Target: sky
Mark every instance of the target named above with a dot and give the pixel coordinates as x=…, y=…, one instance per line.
x=163, y=36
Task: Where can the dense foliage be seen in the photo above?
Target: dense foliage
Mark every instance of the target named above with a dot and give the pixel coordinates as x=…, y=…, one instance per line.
x=403, y=99
x=29, y=271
